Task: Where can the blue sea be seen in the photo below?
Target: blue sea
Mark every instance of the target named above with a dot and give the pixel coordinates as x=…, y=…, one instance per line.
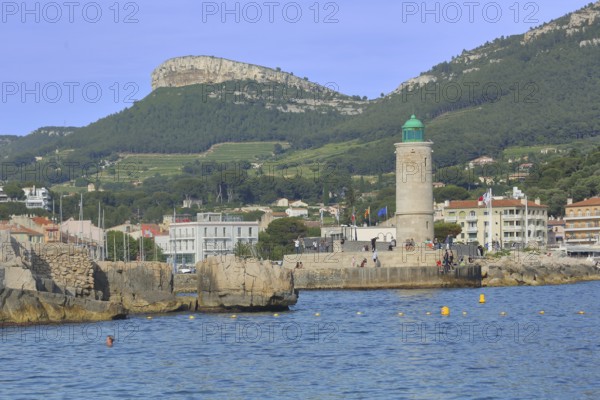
x=387, y=344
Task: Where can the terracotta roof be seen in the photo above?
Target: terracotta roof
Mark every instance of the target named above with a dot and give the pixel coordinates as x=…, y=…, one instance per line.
x=460, y=204
x=594, y=201
x=41, y=221
x=21, y=229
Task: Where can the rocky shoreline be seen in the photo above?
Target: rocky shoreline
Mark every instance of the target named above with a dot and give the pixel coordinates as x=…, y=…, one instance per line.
x=536, y=270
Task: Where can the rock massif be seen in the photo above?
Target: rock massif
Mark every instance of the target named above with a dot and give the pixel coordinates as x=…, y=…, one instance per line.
x=227, y=284
x=29, y=307
x=193, y=70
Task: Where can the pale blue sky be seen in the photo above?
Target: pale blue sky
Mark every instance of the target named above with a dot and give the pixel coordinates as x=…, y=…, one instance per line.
x=52, y=51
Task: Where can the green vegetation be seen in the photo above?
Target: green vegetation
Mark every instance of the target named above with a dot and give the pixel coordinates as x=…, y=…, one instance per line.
x=278, y=238
x=441, y=230
x=121, y=247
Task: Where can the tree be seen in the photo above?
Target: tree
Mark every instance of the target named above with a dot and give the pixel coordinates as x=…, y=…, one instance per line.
x=278, y=238
x=450, y=192
x=14, y=191
x=442, y=229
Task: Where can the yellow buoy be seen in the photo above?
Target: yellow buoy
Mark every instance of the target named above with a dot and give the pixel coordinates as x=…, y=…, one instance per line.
x=192, y=317
x=427, y=313
x=581, y=312
x=317, y=314
x=464, y=313
x=149, y=317
x=542, y=312
x=445, y=310
x=503, y=313
x=482, y=298
x=401, y=314
x=358, y=313
x=276, y=315
x=233, y=316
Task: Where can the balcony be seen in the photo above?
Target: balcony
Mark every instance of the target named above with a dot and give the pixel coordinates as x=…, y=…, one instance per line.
x=588, y=228
x=512, y=217
x=512, y=228
x=451, y=219
x=472, y=229
x=472, y=218
x=590, y=217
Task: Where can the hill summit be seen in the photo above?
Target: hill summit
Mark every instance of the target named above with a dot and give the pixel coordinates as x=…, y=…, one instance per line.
x=197, y=70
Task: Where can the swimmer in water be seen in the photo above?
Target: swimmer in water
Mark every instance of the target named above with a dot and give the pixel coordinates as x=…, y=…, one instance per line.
x=109, y=340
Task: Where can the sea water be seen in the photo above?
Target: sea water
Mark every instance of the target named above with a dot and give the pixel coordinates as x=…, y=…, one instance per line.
x=386, y=344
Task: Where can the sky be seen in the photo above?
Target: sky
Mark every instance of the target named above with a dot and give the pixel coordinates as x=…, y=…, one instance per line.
x=70, y=63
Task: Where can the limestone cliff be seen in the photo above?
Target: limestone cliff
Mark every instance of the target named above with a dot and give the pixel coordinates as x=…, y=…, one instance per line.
x=277, y=89
x=193, y=70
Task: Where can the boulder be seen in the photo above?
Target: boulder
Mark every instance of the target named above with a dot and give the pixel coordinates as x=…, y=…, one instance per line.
x=226, y=284
x=17, y=277
x=30, y=307
x=139, y=287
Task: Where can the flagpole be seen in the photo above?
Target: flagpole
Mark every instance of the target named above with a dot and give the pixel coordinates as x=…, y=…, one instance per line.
x=490, y=246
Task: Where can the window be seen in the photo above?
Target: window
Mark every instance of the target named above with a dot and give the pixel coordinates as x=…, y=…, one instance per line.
x=239, y=231
x=472, y=214
x=249, y=231
x=216, y=231
x=205, y=232
x=224, y=231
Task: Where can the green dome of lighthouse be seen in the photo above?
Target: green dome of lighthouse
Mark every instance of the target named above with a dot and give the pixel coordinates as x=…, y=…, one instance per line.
x=413, y=123
x=413, y=130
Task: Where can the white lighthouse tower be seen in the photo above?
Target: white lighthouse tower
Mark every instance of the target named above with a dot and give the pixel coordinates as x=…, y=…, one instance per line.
x=414, y=186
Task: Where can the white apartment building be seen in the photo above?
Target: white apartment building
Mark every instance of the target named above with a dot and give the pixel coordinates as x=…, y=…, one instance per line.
x=514, y=221
x=37, y=198
x=208, y=234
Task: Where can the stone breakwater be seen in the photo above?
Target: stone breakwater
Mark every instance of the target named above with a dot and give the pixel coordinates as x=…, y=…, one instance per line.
x=534, y=270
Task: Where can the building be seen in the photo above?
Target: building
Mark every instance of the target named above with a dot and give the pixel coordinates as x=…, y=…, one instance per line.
x=509, y=220
x=22, y=234
x=42, y=225
x=296, y=212
x=83, y=233
x=582, y=221
x=208, y=234
x=556, y=231
x=3, y=196
x=481, y=161
x=37, y=198
x=414, y=184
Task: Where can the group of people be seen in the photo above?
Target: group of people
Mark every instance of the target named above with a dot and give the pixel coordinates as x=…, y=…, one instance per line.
x=409, y=244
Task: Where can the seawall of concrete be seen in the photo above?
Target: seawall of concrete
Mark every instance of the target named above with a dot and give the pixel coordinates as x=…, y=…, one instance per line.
x=387, y=278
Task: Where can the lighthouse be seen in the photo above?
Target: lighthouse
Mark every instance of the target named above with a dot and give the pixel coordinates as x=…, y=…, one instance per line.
x=414, y=186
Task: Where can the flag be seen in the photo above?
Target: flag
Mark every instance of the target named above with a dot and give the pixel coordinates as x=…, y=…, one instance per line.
x=382, y=212
x=353, y=217
x=368, y=212
x=487, y=198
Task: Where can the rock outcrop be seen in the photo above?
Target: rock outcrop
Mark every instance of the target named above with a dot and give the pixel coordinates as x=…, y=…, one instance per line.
x=537, y=270
x=139, y=287
x=31, y=307
x=226, y=284
x=193, y=70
